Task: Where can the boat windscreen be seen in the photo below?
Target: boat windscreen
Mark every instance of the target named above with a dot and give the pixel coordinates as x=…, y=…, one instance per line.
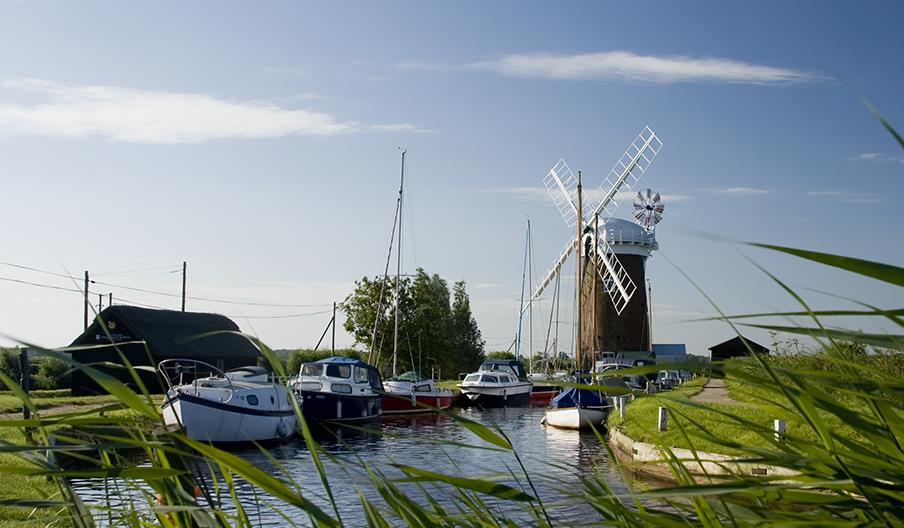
x=312, y=369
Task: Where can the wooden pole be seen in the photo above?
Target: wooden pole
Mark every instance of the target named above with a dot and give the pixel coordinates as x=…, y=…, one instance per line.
x=24, y=379
x=100, y=302
x=334, y=327
x=184, y=274
x=580, y=281
x=86, y=299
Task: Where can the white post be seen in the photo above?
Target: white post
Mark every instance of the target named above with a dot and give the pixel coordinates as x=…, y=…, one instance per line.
x=779, y=427
x=663, y=418
x=622, y=403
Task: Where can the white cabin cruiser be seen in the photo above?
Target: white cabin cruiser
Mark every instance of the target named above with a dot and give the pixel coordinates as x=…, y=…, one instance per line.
x=241, y=405
x=339, y=388
x=497, y=384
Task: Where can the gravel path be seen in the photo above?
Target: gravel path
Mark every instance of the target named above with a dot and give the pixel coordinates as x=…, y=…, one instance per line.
x=714, y=392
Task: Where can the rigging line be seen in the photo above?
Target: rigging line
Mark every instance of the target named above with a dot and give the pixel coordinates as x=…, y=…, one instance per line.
x=48, y=286
x=373, y=339
x=290, y=316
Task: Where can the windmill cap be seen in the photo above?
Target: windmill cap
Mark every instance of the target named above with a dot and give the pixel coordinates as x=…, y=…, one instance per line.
x=624, y=234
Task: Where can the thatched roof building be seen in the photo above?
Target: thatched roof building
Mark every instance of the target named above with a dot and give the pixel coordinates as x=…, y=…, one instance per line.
x=146, y=337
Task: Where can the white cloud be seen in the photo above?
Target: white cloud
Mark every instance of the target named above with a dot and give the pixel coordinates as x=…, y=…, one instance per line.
x=844, y=196
x=737, y=192
x=540, y=193
x=142, y=116
x=624, y=65
x=878, y=157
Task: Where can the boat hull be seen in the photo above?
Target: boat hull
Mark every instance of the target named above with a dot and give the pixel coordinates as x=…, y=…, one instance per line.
x=218, y=422
x=511, y=396
x=542, y=394
x=394, y=403
x=576, y=417
x=339, y=407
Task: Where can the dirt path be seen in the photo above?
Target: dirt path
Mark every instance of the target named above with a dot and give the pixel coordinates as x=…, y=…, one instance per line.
x=714, y=392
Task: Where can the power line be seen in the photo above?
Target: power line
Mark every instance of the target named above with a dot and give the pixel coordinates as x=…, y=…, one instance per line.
x=48, y=286
x=161, y=293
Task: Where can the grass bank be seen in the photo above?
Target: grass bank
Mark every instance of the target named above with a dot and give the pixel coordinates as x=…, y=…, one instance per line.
x=49, y=399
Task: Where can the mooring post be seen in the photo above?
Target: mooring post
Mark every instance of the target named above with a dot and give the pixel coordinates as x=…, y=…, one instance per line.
x=663, y=418
x=622, y=403
x=24, y=376
x=779, y=427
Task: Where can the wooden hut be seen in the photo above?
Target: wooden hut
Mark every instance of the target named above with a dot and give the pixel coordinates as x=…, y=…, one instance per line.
x=145, y=337
x=734, y=347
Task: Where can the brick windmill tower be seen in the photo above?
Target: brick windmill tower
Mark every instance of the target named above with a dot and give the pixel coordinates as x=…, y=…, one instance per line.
x=612, y=253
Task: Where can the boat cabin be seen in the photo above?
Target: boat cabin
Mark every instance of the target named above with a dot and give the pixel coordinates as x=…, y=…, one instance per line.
x=490, y=377
x=340, y=375
x=512, y=366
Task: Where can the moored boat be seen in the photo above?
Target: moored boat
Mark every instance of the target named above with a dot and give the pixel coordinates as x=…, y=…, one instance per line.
x=339, y=388
x=497, y=383
x=577, y=408
x=241, y=405
x=413, y=393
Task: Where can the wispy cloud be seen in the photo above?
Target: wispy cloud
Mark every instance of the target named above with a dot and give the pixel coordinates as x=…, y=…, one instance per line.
x=143, y=116
x=737, y=192
x=628, y=66
x=844, y=196
x=878, y=157
x=540, y=193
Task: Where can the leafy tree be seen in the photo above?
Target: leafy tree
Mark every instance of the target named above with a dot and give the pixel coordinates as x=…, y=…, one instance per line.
x=434, y=333
x=500, y=355
x=467, y=342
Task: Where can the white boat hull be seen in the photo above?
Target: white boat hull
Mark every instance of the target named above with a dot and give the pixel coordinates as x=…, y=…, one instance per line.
x=218, y=422
x=576, y=417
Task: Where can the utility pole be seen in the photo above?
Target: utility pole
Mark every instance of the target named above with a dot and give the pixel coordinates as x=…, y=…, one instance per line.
x=86, y=300
x=334, y=327
x=110, y=299
x=184, y=270
x=100, y=302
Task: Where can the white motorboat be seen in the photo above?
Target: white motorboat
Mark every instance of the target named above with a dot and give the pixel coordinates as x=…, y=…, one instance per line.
x=577, y=408
x=412, y=392
x=241, y=405
x=497, y=384
x=339, y=388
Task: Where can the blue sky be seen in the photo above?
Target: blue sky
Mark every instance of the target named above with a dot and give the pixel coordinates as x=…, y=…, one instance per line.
x=259, y=143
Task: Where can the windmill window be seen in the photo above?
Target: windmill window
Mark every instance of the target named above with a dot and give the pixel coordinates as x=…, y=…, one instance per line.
x=252, y=399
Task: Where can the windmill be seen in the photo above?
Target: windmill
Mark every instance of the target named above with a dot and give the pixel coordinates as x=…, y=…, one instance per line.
x=607, y=276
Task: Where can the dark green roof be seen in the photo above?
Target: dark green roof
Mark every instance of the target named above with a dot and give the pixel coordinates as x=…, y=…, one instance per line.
x=170, y=333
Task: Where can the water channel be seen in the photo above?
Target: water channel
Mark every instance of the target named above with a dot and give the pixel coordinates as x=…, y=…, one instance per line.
x=551, y=457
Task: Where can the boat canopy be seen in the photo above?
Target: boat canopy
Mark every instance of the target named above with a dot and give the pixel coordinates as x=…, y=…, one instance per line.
x=373, y=375
x=574, y=397
x=505, y=365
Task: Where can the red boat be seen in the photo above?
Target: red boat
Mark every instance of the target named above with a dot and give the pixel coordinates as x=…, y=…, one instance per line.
x=541, y=394
x=412, y=393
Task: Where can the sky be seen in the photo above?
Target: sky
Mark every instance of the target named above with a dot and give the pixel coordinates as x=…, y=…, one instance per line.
x=259, y=143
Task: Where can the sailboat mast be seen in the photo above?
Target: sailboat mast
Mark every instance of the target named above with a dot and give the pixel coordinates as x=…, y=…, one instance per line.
x=521, y=305
x=530, y=306
x=580, y=279
x=398, y=288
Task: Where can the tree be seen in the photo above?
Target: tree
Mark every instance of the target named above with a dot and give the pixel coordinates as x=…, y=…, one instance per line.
x=434, y=334
x=467, y=342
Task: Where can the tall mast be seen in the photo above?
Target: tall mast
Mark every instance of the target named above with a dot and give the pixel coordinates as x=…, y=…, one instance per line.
x=580, y=279
x=596, y=265
x=398, y=289
x=521, y=306
x=530, y=306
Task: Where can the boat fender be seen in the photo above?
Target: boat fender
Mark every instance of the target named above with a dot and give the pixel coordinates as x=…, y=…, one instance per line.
x=282, y=430
x=505, y=394
x=413, y=400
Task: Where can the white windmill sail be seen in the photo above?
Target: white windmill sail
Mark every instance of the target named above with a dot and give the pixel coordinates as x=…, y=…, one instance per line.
x=561, y=184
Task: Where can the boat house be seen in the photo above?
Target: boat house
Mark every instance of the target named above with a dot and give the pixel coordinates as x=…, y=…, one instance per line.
x=145, y=337
x=735, y=347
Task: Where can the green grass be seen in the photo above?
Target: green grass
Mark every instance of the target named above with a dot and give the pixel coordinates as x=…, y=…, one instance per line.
x=47, y=399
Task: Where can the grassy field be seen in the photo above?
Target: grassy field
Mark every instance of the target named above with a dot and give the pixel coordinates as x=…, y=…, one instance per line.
x=51, y=398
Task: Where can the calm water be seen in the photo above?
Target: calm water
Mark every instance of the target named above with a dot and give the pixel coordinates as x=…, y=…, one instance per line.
x=551, y=456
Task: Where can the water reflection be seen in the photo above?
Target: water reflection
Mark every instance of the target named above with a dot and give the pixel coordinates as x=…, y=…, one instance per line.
x=552, y=458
